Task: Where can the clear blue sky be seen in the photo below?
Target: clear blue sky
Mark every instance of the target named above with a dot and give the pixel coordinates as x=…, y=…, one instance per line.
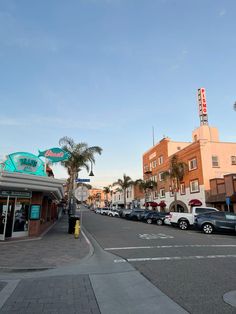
x=105, y=71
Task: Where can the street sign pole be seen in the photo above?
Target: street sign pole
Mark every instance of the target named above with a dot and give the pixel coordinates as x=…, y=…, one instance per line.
x=228, y=202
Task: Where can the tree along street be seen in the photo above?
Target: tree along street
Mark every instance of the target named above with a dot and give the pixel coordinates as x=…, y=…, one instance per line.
x=193, y=269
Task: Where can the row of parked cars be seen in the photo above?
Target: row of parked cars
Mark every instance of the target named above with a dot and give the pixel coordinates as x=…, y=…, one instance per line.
x=207, y=219
x=135, y=214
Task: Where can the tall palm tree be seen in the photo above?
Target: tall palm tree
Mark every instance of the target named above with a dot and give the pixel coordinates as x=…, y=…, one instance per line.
x=81, y=156
x=124, y=184
x=176, y=173
x=106, y=190
x=146, y=187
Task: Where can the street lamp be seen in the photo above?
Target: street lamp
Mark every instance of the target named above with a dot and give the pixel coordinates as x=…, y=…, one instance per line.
x=91, y=171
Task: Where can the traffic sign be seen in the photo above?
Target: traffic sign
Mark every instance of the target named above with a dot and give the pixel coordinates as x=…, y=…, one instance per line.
x=81, y=193
x=82, y=180
x=227, y=200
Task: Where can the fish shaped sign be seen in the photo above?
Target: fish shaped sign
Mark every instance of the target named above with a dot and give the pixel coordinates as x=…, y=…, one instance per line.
x=54, y=154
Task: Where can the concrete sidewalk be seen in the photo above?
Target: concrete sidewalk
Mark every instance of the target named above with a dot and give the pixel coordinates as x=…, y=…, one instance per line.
x=56, y=248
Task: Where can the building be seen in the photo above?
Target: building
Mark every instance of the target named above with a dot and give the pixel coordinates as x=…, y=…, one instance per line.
x=28, y=197
x=209, y=162
x=134, y=197
x=97, y=198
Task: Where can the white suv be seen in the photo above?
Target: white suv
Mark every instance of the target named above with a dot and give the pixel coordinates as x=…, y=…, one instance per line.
x=104, y=211
x=112, y=213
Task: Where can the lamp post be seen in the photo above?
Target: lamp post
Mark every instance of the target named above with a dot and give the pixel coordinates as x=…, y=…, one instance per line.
x=91, y=174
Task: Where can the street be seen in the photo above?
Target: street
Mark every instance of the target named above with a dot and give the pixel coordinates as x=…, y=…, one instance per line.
x=193, y=269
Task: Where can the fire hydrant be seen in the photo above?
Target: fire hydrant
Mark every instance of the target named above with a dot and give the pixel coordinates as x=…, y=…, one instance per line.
x=77, y=229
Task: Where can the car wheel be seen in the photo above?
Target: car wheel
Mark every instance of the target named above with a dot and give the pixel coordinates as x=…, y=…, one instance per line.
x=207, y=228
x=110, y=215
x=159, y=222
x=183, y=224
x=149, y=220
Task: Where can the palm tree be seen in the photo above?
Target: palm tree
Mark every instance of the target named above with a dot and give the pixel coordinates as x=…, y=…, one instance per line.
x=176, y=173
x=106, y=191
x=81, y=156
x=146, y=187
x=235, y=106
x=124, y=184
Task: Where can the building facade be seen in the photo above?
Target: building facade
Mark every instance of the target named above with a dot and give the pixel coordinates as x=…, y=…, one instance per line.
x=28, y=197
x=210, y=164
x=206, y=157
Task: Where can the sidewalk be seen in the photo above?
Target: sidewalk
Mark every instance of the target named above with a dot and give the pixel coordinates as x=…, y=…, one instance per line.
x=53, y=294
x=56, y=248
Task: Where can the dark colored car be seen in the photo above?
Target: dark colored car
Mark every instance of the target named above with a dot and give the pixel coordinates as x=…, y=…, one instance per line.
x=135, y=214
x=216, y=221
x=155, y=217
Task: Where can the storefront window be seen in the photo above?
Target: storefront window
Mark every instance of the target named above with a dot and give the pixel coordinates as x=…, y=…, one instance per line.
x=21, y=215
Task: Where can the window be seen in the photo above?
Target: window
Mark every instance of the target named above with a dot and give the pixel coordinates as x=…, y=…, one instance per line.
x=160, y=160
x=154, y=163
x=155, y=194
x=161, y=176
x=171, y=191
x=215, y=161
x=192, y=164
x=230, y=216
x=233, y=160
x=194, y=186
x=162, y=193
x=182, y=188
x=203, y=210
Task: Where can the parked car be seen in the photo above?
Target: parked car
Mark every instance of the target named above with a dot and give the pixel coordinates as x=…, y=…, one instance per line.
x=216, y=221
x=104, y=211
x=135, y=214
x=98, y=211
x=155, y=217
x=124, y=212
x=185, y=220
x=113, y=213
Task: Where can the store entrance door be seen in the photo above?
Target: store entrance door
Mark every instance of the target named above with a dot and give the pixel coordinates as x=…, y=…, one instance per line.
x=3, y=216
x=10, y=215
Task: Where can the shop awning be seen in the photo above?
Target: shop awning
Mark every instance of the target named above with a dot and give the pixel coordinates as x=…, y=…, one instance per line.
x=152, y=204
x=162, y=204
x=195, y=202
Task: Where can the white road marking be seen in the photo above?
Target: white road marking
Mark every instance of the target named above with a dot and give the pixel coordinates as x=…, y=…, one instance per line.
x=167, y=246
x=171, y=258
x=151, y=236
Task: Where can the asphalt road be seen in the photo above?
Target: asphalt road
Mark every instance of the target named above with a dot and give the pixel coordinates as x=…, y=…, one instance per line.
x=193, y=269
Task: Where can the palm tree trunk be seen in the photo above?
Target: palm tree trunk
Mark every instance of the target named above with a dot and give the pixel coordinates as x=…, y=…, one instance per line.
x=175, y=200
x=125, y=198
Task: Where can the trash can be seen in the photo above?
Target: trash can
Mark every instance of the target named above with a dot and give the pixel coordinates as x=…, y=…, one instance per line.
x=72, y=222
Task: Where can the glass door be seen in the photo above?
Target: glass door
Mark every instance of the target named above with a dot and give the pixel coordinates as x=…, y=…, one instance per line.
x=3, y=216
x=21, y=217
x=10, y=215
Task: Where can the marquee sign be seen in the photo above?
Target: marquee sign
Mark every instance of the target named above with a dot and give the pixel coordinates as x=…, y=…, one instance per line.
x=202, y=104
x=55, y=154
x=25, y=163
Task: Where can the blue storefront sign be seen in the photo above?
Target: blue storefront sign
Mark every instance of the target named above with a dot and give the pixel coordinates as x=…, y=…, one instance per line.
x=26, y=163
x=35, y=212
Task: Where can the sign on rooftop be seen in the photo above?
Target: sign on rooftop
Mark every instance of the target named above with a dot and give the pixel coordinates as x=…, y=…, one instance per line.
x=54, y=154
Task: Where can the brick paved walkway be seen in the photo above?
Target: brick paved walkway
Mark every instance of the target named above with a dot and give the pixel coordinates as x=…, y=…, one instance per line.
x=56, y=248
x=64, y=294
